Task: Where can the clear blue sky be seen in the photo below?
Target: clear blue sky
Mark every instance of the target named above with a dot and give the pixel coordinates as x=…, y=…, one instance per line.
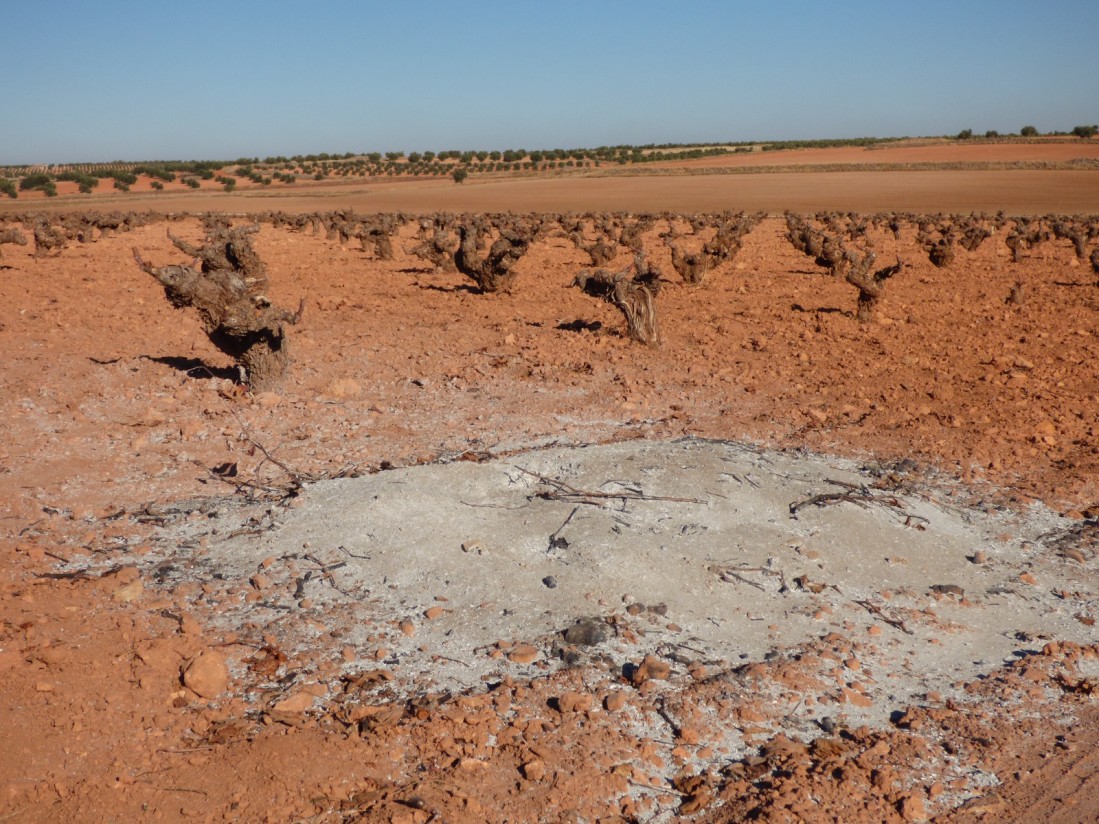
x=152, y=80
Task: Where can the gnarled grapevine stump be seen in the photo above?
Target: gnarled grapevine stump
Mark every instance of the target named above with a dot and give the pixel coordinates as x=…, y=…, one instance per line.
x=227, y=292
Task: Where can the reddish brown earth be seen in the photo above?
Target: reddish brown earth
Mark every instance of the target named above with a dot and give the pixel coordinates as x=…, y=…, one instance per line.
x=113, y=403
x=918, y=176
x=959, y=192
x=1048, y=150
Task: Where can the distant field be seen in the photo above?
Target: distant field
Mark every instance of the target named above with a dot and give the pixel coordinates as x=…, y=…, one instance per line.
x=1059, y=175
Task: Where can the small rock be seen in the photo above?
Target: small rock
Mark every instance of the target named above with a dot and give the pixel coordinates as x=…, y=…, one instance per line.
x=549, y=582
x=207, y=675
x=1027, y=578
x=534, y=770
x=651, y=669
x=911, y=808
x=855, y=698
x=614, y=701
x=574, y=702
x=1046, y=428
x=295, y=704
x=587, y=632
x=689, y=736
x=407, y=627
x=188, y=625
x=433, y=612
x=523, y=654
x=980, y=557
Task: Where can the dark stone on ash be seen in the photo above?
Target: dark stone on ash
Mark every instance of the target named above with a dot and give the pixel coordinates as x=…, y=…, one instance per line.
x=587, y=632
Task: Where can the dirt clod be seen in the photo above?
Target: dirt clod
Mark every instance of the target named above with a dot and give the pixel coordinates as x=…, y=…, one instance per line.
x=207, y=674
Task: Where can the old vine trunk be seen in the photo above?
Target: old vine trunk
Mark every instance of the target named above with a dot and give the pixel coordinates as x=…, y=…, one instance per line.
x=227, y=292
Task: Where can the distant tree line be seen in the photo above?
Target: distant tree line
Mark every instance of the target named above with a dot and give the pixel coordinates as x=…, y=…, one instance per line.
x=444, y=163
x=1084, y=132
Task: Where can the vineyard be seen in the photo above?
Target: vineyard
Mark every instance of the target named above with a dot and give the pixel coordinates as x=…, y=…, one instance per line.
x=526, y=498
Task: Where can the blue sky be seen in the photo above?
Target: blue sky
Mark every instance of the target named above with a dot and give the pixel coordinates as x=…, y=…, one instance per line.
x=120, y=80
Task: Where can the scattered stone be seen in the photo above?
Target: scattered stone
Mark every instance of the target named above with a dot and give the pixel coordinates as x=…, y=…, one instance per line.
x=549, y=582
x=855, y=698
x=474, y=548
x=614, y=701
x=407, y=627
x=188, y=625
x=587, y=632
x=651, y=669
x=523, y=654
x=689, y=736
x=911, y=808
x=207, y=675
x=1027, y=578
x=293, y=705
x=534, y=770
x=979, y=557
x=574, y=702
x=433, y=612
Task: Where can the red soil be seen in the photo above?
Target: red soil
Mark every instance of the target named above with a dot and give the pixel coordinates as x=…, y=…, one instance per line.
x=102, y=417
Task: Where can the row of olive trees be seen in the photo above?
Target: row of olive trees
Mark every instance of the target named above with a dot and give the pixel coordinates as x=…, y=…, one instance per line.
x=1084, y=132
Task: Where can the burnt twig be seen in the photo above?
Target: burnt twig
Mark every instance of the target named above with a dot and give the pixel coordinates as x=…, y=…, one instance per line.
x=563, y=492
x=874, y=609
